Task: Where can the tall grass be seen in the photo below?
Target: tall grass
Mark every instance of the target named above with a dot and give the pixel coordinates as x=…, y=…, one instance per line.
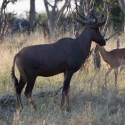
x=90, y=102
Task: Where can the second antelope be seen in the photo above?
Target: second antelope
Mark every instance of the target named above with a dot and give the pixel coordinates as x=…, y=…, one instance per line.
x=114, y=59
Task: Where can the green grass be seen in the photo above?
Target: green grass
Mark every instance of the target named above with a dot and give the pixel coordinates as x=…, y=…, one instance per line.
x=90, y=102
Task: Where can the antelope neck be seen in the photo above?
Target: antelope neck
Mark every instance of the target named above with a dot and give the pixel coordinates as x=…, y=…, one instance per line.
x=84, y=41
x=103, y=52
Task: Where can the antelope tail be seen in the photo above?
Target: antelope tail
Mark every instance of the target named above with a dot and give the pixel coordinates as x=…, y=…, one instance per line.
x=13, y=74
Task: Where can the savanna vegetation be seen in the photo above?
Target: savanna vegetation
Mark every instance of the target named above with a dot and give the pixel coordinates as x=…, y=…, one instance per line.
x=90, y=102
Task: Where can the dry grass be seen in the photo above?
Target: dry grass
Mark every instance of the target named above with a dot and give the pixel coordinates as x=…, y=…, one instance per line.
x=90, y=103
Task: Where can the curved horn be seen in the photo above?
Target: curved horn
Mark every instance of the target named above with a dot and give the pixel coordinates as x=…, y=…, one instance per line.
x=82, y=23
x=84, y=18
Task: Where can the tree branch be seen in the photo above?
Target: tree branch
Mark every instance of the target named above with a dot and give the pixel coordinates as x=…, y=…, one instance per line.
x=61, y=10
x=47, y=9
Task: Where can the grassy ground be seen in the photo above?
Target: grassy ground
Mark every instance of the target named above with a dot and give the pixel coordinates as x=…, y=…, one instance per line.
x=90, y=103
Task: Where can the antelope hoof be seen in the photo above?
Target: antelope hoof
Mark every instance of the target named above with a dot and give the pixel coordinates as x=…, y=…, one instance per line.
x=20, y=110
x=61, y=108
x=62, y=105
x=68, y=109
x=34, y=107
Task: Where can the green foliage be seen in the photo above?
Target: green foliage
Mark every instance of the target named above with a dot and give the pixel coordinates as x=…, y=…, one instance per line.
x=116, y=16
x=41, y=17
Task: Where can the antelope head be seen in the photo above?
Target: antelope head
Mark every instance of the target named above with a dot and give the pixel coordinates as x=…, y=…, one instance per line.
x=93, y=27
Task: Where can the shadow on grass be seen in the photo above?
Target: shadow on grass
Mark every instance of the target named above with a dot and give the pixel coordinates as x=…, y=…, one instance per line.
x=7, y=110
x=101, y=107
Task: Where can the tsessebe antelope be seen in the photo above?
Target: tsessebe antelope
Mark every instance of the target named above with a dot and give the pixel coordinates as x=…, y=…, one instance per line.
x=64, y=56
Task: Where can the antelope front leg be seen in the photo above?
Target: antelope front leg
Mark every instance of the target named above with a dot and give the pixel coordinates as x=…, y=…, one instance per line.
x=106, y=75
x=116, y=74
x=65, y=91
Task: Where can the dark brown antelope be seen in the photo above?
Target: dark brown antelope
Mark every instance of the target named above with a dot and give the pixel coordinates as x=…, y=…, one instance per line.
x=64, y=56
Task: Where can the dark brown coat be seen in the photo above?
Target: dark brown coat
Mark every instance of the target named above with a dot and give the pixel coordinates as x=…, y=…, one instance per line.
x=64, y=56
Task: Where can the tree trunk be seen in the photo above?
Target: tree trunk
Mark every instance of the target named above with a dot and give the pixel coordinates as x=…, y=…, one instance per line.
x=54, y=16
x=32, y=15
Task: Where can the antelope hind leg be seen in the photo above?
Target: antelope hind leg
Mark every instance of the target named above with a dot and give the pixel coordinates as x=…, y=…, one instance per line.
x=116, y=75
x=106, y=75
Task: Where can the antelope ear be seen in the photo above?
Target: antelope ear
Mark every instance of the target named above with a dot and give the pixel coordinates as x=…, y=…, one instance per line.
x=82, y=23
x=98, y=25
